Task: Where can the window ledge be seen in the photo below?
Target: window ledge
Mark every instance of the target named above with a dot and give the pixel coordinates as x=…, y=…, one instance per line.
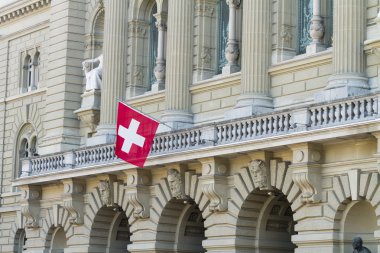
x=38, y=91
x=302, y=62
x=216, y=82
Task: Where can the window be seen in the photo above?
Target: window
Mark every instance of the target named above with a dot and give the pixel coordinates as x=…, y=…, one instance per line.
x=222, y=34
x=153, y=44
x=26, y=146
x=31, y=71
x=305, y=14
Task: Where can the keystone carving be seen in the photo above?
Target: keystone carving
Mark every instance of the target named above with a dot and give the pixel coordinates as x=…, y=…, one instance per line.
x=30, y=205
x=176, y=184
x=260, y=174
x=214, y=183
x=73, y=200
x=137, y=191
x=105, y=193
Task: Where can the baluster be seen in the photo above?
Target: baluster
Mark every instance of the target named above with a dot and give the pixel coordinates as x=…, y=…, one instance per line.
x=286, y=122
x=362, y=113
x=331, y=114
x=324, y=115
x=374, y=106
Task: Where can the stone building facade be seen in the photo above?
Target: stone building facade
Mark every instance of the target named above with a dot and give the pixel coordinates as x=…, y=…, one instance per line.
x=270, y=139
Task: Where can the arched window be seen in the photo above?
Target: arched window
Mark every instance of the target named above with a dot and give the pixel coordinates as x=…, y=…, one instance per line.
x=26, y=147
x=31, y=71
x=20, y=240
x=36, y=70
x=153, y=44
x=223, y=18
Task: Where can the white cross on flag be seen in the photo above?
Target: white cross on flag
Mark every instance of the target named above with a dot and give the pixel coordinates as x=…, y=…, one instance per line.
x=135, y=133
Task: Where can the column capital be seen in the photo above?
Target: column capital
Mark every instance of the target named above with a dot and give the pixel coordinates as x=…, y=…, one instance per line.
x=233, y=3
x=161, y=19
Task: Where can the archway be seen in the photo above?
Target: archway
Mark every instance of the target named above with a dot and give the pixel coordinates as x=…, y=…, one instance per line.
x=19, y=242
x=181, y=228
x=110, y=231
x=265, y=223
x=359, y=219
x=58, y=241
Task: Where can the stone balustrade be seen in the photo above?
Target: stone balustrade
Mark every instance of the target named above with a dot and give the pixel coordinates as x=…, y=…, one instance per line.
x=322, y=115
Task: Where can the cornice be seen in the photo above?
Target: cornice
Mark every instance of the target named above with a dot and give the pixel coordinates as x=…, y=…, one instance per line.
x=21, y=8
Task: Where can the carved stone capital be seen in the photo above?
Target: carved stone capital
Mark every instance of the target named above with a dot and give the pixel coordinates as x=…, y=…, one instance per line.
x=138, y=28
x=137, y=191
x=73, y=200
x=161, y=21
x=214, y=182
x=233, y=3
x=306, y=171
x=30, y=205
x=205, y=8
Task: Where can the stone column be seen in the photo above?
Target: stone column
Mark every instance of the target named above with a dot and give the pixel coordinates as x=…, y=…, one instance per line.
x=349, y=77
x=232, y=51
x=317, y=30
x=115, y=68
x=160, y=68
x=256, y=59
x=179, y=64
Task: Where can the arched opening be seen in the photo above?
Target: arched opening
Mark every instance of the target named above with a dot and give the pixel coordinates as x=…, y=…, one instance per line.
x=181, y=228
x=36, y=71
x=20, y=241
x=110, y=231
x=223, y=19
x=26, y=147
x=58, y=241
x=265, y=223
x=359, y=219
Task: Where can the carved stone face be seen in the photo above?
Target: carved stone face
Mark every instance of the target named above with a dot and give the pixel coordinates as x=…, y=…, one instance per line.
x=105, y=192
x=175, y=183
x=259, y=173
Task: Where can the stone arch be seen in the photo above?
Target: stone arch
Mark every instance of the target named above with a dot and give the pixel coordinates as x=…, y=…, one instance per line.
x=350, y=191
x=179, y=222
x=56, y=217
x=116, y=217
x=254, y=209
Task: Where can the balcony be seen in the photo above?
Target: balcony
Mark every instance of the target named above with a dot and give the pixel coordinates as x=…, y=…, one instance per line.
x=220, y=138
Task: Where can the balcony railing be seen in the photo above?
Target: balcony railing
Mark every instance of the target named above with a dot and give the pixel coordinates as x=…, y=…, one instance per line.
x=274, y=124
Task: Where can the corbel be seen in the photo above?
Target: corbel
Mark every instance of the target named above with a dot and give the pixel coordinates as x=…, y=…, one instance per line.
x=137, y=191
x=214, y=182
x=73, y=199
x=30, y=205
x=306, y=170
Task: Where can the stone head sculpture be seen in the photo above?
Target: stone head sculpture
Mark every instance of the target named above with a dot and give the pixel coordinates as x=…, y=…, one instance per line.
x=259, y=173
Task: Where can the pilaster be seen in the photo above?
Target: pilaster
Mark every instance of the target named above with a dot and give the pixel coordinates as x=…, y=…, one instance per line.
x=256, y=59
x=73, y=200
x=179, y=64
x=115, y=67
x=64, y=76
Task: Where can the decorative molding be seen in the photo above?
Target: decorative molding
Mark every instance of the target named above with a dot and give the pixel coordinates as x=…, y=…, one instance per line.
x=30, y=205
x=73, y=200
x=306, y=168
x=138, y=192
x=19, y=11
x=214, y=183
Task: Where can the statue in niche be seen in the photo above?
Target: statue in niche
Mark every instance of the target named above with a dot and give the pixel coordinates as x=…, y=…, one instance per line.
x=259, y=173
x=357, y=244
x=175, y=183
x=93, y=76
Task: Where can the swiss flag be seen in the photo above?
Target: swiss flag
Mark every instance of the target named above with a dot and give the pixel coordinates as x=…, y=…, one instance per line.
x=135, y=133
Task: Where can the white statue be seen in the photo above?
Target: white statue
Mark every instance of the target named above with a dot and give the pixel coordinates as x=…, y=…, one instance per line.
x=93, y=76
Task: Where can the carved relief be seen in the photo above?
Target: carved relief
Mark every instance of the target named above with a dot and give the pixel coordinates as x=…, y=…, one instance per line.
x=309, y=183
x=137, y=28
x=202, y=9
x=105, y=192
x=176, y=184
x=259, y=173
x=286, y=36
x=138, y=75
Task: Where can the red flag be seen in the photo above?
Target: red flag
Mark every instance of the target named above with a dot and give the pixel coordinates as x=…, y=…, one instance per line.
x=135, y=133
